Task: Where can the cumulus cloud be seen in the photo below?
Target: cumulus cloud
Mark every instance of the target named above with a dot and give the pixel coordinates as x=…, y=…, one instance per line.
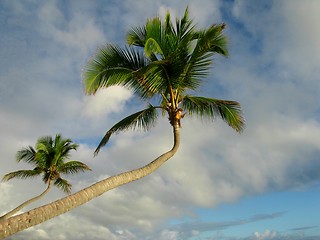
x=106, y=101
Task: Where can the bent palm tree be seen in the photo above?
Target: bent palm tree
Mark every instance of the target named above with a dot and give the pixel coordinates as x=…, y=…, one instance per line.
x=163, y=63
x=49, y=158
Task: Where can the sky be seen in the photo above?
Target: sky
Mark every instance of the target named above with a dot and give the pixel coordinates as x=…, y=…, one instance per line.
x=258, y=185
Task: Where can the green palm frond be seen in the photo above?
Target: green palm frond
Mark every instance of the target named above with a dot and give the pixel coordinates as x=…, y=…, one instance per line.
x=154, y=79
x=152, y=47
x=23, y=174
x=212, y=40
x=111, y=66
x=229, y=111
x=27, y=155
x=136, y=36
x=63, y=184
x=154, y=38
x=208, y=42
x=144, y=119
x=44, y=144
x=185, y=27
x=72, y=167
x=62, y=148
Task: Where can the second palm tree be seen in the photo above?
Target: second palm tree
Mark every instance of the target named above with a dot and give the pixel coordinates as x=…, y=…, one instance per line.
x=49, y=158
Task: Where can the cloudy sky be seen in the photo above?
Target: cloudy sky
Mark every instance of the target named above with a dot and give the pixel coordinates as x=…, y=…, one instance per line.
x=259, y=185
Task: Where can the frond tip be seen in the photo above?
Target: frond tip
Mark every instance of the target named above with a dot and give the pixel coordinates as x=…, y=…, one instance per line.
x=229, y=111
x=63, y=184
x=144, y=119
x=22, y=174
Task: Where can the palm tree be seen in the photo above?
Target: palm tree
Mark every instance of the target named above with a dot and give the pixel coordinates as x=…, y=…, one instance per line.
x=164, y=63
x=49, y=158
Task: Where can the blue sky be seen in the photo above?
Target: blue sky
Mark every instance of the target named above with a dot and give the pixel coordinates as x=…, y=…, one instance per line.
x=262, y=184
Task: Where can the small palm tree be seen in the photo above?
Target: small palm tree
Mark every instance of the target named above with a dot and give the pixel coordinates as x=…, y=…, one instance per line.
x=49, y=158
x=164, y=63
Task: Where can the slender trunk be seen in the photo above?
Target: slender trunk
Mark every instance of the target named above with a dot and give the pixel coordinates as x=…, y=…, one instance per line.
x=17, y=209
x=41, y=214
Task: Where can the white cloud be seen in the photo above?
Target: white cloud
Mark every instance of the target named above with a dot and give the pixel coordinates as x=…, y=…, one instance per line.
x=79, y=32
x=267, y=234
x=106, y=101
x=302, y=51
x=168, y=235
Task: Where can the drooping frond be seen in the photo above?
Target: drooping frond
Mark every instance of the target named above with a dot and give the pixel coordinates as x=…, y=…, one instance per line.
x=27, y=155
x=113, y=65
x=144, y=119
x=23, y=174
x=72, y=167
x=229, y=111
x=63, y=184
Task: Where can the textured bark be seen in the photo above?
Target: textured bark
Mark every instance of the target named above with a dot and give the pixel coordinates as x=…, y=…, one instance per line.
x=41, y=214
x=17, y=209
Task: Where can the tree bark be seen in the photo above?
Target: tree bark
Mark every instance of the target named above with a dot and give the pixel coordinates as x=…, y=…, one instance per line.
x=41, y=214
x=17, y=209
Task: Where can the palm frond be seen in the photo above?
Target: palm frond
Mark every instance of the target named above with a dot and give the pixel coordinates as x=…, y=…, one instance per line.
x=154, y=37
x=144, y=119
x=208, y=42
x=27, y=155
x=44, y=144
x=62, y=147
x=229, y=111
x=185, y=27
x=63, y=184
x=136, y=36
x=72, y=167
x=212, y=39
x=113, y=65
x=154, y=79
x=152, y=47
x=23, y=174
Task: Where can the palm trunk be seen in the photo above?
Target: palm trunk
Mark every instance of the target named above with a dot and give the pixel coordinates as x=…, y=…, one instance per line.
x=41, y=214
x=17, y=209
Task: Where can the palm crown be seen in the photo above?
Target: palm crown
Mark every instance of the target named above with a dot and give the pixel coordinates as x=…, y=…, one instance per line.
x=164, y=61
x=49, y=158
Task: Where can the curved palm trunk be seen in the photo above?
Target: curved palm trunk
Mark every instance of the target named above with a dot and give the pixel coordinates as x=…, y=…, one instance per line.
x=41, y=214
x=17, y=209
